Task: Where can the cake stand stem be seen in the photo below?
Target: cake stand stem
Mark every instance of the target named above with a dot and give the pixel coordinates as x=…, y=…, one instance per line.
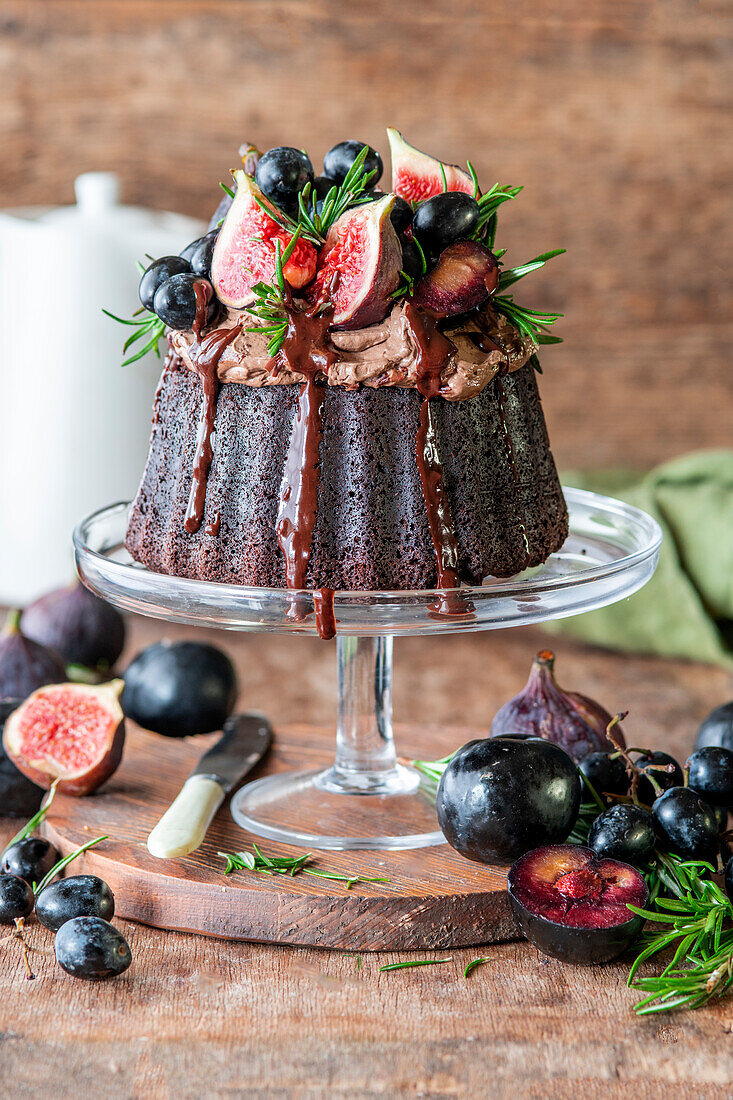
x=365, y=799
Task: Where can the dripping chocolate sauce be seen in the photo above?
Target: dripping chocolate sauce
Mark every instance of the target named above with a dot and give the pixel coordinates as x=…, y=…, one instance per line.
x=433, y=351
x=205, y=355
x=307, y=351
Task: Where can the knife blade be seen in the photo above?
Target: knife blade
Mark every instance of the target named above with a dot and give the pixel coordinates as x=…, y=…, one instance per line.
x=244, y=741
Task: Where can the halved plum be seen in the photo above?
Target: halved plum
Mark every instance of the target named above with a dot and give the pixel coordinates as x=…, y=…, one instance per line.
x=574, y=906
x=359, y=265
x=465, y=275
x=71, y=732
x=245, y=248
x=417, y=176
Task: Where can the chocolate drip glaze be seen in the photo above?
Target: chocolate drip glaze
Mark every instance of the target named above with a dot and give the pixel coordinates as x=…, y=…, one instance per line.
x=306, y=350
x=434, y=350
x=205, y=356
x=325, y=617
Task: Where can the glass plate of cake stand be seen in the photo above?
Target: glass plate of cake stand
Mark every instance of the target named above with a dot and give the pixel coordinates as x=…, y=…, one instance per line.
x=367, y=799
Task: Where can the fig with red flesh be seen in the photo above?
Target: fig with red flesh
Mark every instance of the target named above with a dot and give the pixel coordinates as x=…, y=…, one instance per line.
x=544, y=709
x=245, y=248
x=463, y=278
x=77, y=624
x=25, y=664
x=417, y=176
x=574, y=906
x=71, y=732
x=363, y=256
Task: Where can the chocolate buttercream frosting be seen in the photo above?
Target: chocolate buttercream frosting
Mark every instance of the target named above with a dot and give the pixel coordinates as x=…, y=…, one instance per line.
x=386, y=354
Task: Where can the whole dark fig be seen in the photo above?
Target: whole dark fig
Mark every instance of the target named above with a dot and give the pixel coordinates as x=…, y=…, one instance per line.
x=544, y=709
x=77, y=624
x=18, y=796
x=25, y=664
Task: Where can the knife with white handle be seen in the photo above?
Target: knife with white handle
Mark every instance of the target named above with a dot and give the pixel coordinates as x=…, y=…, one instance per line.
x=244, y=741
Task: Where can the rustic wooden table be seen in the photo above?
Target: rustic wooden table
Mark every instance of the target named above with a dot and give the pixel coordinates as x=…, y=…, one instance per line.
x=197, y=1018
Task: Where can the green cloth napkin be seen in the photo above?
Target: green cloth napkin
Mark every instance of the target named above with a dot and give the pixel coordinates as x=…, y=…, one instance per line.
x=686, y=609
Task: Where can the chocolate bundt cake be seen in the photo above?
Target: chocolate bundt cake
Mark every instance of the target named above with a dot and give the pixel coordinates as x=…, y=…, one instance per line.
x=331, y=416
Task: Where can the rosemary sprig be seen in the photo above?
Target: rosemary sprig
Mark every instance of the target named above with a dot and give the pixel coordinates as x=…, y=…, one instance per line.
x=285, y=865
x=314, y=225
x=407, y=282
x=530, y=322
x=148, y=328
x=62, y=863
x=270, y=302
x=697, y=925
x=413, y=962
x=511, y=275
x=489, y=204
x=32, y=824
x=431, y=769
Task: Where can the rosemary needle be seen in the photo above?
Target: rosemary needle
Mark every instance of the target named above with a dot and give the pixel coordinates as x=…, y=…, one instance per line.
x=414, y=962
x=474, y=963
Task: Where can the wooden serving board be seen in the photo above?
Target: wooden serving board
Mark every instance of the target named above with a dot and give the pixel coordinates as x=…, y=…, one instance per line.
x=434, y=897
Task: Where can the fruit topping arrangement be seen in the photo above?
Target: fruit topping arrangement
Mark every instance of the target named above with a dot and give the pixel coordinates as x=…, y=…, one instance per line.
x=605, y=837
x=339, y=240
x=77, y=909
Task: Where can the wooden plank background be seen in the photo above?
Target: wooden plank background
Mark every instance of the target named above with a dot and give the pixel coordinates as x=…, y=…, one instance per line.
x=614, y=114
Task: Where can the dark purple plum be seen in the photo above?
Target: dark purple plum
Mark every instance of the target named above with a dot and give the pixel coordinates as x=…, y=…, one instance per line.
x=89, y=947
x=156, y=274
x=686, y=824
x=339, y=159
x=665, y=770
x=498, y=797
x=606, y=773
x=16, y=899
x=710, y=773
x=572, y=905
x=180, y=688
x=76, y=896
x=717, y=728
x=30, y=859
x=624, y=832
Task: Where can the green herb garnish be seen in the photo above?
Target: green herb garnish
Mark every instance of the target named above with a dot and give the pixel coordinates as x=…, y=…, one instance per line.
x=31, y=825
x=58, y=867
x=285, y=865
x=474, y=963
x=697, y=924
x=272, y=299
x=413, y=962
x=148, y=328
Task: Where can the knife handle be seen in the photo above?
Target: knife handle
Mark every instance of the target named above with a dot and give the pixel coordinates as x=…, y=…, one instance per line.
x=184, y=824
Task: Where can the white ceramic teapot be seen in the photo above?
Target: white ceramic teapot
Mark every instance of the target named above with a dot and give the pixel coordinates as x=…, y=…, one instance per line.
x=74, y=424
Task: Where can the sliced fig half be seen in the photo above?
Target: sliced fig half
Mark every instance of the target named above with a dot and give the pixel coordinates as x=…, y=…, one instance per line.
x=464, y=276
x=71, y=732
x=245, y=248
x=417, y=176
x=359, y=265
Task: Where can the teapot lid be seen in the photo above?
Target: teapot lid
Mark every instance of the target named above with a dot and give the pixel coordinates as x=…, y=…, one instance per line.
x=98, y=208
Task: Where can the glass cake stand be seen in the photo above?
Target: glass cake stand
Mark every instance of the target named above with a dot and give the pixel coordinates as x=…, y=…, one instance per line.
x=366, y=799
